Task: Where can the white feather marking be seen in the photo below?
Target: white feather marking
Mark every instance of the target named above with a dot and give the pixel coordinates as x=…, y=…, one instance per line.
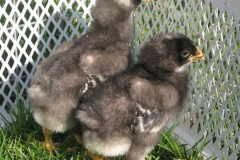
x=160, y=126
x=140, y=124
x=93, y=81
x=36, y=92
x=182, y=68
x=84, y=118
x=89, y=59
x=101, y=78
x=126, y=3
x=141, y=109
x=85, y=88
x=112, y=146
x=52, y=124
x=149, y=112
x=167, y=36
x=38, y=117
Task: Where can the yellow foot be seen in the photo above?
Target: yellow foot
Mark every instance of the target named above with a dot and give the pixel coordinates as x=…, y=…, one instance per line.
x=78, y=137
x=94, y=156
x=49, y=146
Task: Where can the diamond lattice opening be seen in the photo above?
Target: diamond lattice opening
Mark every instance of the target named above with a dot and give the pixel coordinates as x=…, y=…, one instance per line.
x=31, y=30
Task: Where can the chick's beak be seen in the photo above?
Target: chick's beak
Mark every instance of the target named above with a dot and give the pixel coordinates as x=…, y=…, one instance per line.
x=199, y=55
x=145, y=0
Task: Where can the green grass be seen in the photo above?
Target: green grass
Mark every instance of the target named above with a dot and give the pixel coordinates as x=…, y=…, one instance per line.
x=18, y=141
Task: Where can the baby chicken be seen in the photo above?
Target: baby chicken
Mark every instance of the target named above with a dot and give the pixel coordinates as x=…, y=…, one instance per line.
x=125, y=114
x=61, y=79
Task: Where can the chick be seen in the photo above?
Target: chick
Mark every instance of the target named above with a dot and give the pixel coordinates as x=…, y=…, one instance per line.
x=125, y=114
x=61, y=79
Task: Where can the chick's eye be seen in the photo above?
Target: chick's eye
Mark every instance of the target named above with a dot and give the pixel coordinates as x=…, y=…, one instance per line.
x=185, y=54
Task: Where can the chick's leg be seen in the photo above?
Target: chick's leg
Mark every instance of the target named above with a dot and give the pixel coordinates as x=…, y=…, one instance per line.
x=78, y=137
x=48, y=144
x=95, y=156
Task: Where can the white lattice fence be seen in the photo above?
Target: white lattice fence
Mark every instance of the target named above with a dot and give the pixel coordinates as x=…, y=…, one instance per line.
x=30, y=30
x=214, y=108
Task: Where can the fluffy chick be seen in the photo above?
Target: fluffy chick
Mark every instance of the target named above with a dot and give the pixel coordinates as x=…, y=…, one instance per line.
x=125, y=114
x=61, y=79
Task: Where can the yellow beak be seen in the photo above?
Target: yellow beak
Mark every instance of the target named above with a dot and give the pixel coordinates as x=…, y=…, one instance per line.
x=199, y=55
x=145, y=0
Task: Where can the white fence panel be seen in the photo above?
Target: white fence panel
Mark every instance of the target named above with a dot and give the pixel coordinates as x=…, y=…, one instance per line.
x=214, y=108
x=30, y=30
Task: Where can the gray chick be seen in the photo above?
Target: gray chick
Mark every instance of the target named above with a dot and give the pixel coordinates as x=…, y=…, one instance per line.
x=125, y=114
x=61, y=79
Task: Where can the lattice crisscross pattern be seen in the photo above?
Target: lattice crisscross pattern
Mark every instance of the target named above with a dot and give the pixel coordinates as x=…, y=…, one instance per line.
x=213, y=109
x=30, y=30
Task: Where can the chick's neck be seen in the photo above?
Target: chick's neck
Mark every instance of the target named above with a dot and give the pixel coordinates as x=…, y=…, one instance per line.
x=121, y=29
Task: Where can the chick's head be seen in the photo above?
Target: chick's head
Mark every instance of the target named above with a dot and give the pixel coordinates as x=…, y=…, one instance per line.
x=169, y=51
x=110, y=12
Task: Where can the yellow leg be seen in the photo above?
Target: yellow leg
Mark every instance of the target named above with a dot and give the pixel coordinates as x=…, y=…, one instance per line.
x=79, y=138
x=48, y=144
x=95, y=156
